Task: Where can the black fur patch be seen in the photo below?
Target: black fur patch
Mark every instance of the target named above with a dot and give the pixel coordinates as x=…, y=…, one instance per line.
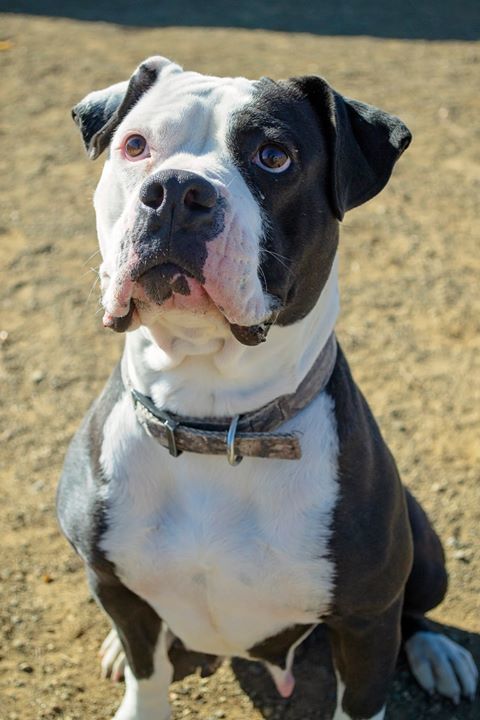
x=342, y=153
x=274, y=650
x=82, y=516
x=99, y=118
x=175, y=234
x=301, y=233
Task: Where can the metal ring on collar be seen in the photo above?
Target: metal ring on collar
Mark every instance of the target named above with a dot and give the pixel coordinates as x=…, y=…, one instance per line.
x=231, y=457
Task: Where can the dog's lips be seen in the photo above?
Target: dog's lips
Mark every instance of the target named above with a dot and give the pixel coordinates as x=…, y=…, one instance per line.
x=164, y=286
x=250, y=334
x=163, y=280
x=119, y=324
x=169, y=286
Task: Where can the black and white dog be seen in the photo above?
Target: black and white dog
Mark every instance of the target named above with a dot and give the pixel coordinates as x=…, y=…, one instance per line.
x=218, y=213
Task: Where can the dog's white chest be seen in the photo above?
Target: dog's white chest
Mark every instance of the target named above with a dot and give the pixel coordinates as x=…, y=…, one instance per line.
x=226, y=556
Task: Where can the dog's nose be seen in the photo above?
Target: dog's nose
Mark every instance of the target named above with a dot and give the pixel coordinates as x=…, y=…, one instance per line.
x=186, y=196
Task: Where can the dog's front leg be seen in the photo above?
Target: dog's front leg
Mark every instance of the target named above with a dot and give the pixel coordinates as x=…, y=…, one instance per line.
x=145, y=640
x=365, y=652
x=147, y=698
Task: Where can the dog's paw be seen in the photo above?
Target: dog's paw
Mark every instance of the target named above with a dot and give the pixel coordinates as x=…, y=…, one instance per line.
x=441, y=665
x=112, y=657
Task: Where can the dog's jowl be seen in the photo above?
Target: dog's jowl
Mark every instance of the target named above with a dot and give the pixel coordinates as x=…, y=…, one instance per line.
x=230, y=487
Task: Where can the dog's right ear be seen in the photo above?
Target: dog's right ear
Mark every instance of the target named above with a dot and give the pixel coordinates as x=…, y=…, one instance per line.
x=100, y=113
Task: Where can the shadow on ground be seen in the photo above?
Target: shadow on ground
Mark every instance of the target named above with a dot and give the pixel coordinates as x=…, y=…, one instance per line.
x=315, y=689
x=314, y=696
x=420, y=19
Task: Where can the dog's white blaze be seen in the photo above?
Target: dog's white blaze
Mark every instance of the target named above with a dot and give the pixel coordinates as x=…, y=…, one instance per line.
x=205, y=543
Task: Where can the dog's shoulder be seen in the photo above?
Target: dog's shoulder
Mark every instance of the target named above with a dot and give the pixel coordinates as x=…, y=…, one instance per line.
x=79, y=497
x=371, y=538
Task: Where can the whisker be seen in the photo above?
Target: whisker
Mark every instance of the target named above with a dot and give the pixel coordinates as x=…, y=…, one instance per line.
x=279, y=258
x=263, y=276
x=95, y=283
x=91, y=256
x=91, y=269
x=275, y=320
x=275, y=254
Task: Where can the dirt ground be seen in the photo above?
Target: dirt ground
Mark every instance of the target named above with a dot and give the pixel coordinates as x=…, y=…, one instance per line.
x=410, y=325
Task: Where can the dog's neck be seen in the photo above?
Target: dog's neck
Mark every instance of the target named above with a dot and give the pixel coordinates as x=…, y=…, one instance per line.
x=192, y=365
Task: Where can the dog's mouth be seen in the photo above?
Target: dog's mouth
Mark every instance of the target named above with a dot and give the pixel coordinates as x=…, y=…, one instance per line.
x=162, y=281
x=169, y=284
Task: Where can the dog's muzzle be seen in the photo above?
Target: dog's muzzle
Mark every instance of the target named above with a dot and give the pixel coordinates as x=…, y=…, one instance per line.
x=178, y=213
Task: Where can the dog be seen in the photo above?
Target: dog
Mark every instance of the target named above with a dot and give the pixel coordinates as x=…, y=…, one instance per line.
x=230, y=487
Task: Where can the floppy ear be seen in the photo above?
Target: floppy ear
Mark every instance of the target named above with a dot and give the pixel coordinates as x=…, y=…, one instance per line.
x=364, y=144
x=100, y=113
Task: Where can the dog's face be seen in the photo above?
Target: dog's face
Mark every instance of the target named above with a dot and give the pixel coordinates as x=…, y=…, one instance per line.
x=222, y=196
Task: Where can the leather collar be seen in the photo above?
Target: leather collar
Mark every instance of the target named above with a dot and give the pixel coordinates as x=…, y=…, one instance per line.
x=251, y=434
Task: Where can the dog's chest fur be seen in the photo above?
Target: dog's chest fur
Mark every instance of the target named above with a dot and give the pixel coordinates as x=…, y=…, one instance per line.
x=226, y=556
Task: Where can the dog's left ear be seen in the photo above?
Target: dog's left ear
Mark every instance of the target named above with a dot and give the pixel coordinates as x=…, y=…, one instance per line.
x=364, y=143
x=100, y=113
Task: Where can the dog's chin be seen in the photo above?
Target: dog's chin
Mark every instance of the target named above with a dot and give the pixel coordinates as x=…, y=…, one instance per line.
x=165, y=288
x=140, y=313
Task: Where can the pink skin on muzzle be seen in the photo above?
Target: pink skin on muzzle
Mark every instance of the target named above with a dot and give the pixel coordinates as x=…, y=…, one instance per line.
x=231, y=286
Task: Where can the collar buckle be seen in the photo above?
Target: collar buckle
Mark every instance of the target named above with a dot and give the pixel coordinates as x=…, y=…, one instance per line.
x=166, y=421
x=170, y=427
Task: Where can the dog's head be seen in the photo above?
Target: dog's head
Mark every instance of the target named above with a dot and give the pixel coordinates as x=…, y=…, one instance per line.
x=222, y=196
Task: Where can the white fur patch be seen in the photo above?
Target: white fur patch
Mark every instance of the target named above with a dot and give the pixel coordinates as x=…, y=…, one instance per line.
x=113, y=657
x=201, y=369
x=226, y=556
x=185, y=117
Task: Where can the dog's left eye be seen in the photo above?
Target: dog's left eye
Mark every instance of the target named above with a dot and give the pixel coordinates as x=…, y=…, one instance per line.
x=273, y=158
x=135, y=147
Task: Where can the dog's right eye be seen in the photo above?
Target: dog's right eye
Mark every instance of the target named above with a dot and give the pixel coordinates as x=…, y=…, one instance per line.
x=135, y=147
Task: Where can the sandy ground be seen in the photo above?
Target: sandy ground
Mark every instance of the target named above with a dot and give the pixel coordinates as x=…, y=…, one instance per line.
x=410, y=326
